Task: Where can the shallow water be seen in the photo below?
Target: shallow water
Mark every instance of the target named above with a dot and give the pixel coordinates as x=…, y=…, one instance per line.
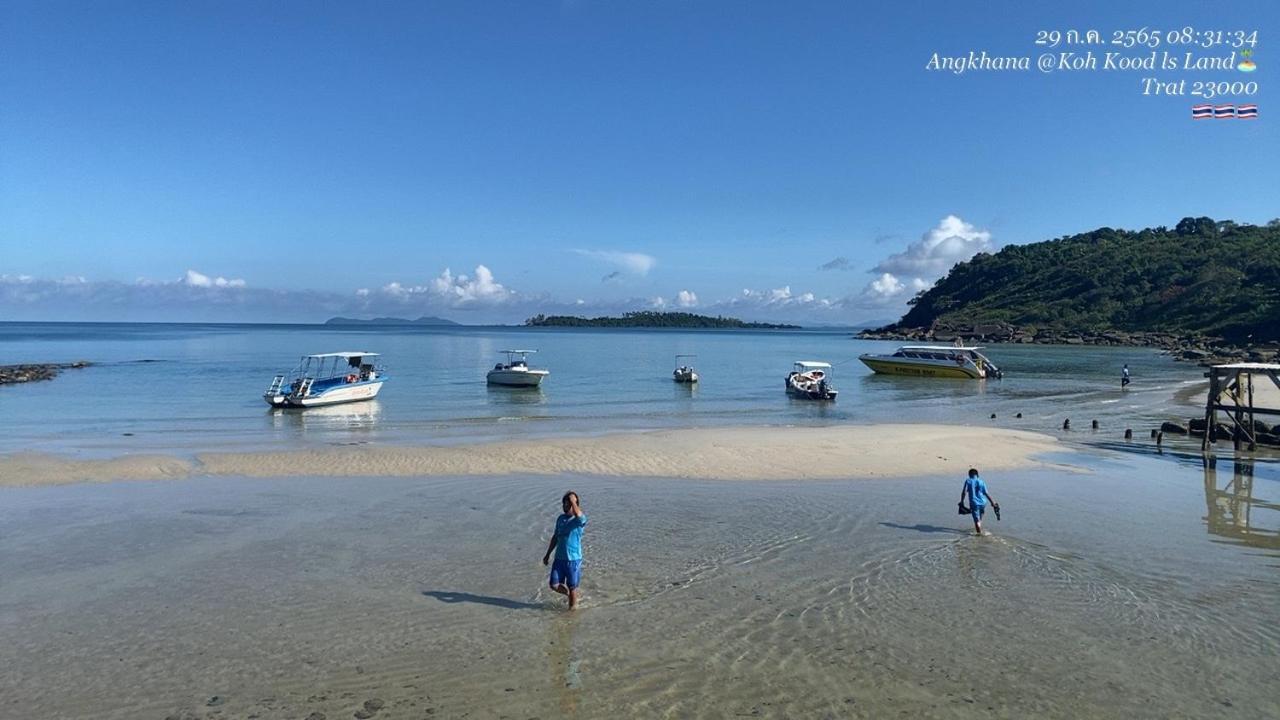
x=1128, y=591
x=186, y=388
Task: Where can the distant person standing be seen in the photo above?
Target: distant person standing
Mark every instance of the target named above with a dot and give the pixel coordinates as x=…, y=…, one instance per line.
x=1124, y=376
x=566, y=542
x=975, y=491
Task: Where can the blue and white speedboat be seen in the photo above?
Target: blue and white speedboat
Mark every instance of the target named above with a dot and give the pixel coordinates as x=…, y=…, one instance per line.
x=327, y=379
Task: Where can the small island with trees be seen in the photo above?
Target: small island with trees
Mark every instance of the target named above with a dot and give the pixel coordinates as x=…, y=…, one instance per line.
x=652, y=319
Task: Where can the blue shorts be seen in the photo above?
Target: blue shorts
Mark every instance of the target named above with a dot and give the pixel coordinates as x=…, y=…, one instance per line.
x=977, y=511
x=568, y=572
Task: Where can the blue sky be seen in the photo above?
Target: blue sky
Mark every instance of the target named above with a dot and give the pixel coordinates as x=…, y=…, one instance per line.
x=487, y=160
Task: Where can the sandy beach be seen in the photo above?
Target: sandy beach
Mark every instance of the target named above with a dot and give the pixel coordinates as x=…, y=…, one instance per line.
x=410, y=598
x=762, y=453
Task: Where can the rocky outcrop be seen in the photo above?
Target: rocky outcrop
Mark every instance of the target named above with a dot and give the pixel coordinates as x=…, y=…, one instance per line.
x=1263, y=433
x=1191, y=348
x=10, y=374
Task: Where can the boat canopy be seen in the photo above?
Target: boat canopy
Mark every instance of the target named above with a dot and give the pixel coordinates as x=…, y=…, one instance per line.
x=343, y=355
x=518, y=352
x=941, y=347
x=809, y=364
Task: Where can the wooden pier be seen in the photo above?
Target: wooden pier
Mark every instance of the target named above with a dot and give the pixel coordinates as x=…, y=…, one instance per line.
x=1231, y=391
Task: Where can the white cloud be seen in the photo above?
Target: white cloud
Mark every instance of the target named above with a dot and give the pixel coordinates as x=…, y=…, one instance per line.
x=196, y=296
x=448, y=290
x=887, y=285
x=952, y=241
x=776, y=299
x=632, y=262
x=475, y=297
x=195, y=279
x=933, y=255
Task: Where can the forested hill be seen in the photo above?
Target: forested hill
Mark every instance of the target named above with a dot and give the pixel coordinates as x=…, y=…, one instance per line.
x=1201, y=277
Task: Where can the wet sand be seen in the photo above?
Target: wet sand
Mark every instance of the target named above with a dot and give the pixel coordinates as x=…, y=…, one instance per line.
x=1100, y=594
x=767, y=453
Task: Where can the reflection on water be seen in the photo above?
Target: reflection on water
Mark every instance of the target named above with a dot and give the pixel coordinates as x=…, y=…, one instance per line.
x=354, y=417
x=505, y=395
x=563, y=660
x=953, y=388
x=1231, y=508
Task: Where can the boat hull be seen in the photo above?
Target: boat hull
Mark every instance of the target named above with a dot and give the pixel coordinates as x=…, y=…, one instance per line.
x=516, y=378
x=812, y=394
x=354, y=392
x=893, y=366
x=807, y=391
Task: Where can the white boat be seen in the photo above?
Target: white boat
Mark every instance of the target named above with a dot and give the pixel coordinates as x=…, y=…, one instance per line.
x=515, y=372
x=954, y=361
x=327, y=379
x=811, y=380
x=684, y=373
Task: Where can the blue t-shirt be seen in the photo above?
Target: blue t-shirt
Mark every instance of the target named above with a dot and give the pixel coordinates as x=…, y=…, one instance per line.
x=569, y=537
x=977, y=492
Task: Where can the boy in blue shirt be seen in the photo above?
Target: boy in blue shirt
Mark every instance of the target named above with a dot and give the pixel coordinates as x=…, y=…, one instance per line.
x=975, y=491
x=566, y=571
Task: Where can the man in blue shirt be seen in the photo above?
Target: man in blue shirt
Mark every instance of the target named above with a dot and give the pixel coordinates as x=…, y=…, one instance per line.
x=566, y=571
x=975, y=491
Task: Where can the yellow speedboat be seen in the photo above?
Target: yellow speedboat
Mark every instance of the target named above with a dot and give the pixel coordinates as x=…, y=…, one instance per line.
x=934, y=361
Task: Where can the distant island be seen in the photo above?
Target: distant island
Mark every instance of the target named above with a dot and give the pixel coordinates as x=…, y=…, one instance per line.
x=1203, y=288
x=649, y=319
x=424, y=320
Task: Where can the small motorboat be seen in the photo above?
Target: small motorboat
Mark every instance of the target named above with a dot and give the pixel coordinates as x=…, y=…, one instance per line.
x=811, y=380
x=684, y=373
x=327, y=379
x=952, y=361
x=515, y=372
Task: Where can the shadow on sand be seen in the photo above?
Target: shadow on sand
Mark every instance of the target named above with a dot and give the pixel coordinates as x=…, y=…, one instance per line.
x=461, y=597
x=927, y=528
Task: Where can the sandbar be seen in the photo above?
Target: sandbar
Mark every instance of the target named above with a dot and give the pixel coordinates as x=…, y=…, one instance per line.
x=738, y=453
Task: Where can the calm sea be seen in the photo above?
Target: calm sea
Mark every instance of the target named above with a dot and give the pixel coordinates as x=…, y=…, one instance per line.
x=187, y=387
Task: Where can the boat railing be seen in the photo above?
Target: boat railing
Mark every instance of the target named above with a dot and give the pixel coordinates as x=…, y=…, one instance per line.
x=276, y=384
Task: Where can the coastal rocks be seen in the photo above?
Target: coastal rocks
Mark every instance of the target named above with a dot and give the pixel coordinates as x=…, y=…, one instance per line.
x=1263, y=434
x=369, y=709
x=1200, y=349
x=12, y=374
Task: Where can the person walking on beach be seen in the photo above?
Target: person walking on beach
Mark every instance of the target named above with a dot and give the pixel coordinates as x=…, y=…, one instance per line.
x=1124, y=376
x=975, y=491
x=566, y=542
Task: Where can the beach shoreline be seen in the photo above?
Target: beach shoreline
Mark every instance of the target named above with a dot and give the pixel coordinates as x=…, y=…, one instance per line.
x=728, y=453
